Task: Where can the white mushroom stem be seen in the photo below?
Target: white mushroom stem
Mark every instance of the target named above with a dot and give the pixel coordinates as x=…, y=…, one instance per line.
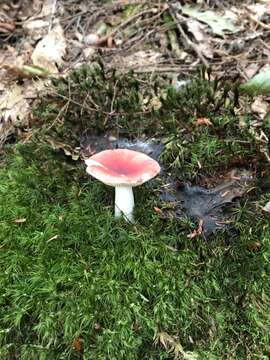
x=124, y=202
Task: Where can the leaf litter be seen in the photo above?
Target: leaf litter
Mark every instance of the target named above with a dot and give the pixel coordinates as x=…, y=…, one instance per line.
x=218, y=24
x=207, y=206
x=49, y=52
x=132, y=37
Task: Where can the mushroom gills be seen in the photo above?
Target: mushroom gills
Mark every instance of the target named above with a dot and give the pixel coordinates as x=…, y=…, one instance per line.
x=124, y=202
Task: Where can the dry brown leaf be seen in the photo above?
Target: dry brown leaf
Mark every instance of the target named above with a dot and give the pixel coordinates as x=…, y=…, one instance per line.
x=261, y=107
x=199, y=31
x=172, y=345
x=35, y=24
x=196, y=232
x=68, y=150
x=34, y=88
x=88, y=52
x=77, y=344
x=49, y=51
x=155, y=103
x=259, y=10
x=206, y=49
x=203, y=121
x=142, y=58
x=14, y=110
x=254, y=245
x=47, y=8
x=12, y=59
x=13, y=105
x=158, y=211
x=6, y=27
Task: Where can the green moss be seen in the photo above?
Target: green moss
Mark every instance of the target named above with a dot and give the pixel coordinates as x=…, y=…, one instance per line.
x=70, y=266
x=105, y=101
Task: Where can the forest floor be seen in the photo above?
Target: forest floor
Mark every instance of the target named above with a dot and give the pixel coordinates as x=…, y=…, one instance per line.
x=187, y=280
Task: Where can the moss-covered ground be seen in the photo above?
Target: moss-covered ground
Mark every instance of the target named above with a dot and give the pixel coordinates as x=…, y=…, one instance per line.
x=76, y=284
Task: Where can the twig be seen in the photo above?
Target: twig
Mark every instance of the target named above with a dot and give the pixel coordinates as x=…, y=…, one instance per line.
x=125, y=23
x=97, y=109
x=60, y=113
x=155, y=68
x=114, y=95
x=52, y=15
x=112, y=110
x=7, y=27
x=264, y=44
x=188, y=41
x=257, y=21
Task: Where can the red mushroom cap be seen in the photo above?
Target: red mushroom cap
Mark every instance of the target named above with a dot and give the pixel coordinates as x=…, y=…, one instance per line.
x=122, y=167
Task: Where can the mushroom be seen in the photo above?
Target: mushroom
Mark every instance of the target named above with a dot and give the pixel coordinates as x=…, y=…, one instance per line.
x=122, y=169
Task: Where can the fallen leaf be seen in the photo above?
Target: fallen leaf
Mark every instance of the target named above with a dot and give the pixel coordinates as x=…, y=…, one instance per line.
x=13, y=106
x=49, y=51
x=218, y=23
x=158, y=211
x=261, y=107
x=254, y=245
x=203, y=121
x=259, y=10
x=35, y=24
x=77, y=344
x=172, y=345
x=6, y=27
x=88, y=52
x=13, y=60
x=68, y=150
x=196, y=29
x=142, y=58
x=196, y=232
x=155, y=103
